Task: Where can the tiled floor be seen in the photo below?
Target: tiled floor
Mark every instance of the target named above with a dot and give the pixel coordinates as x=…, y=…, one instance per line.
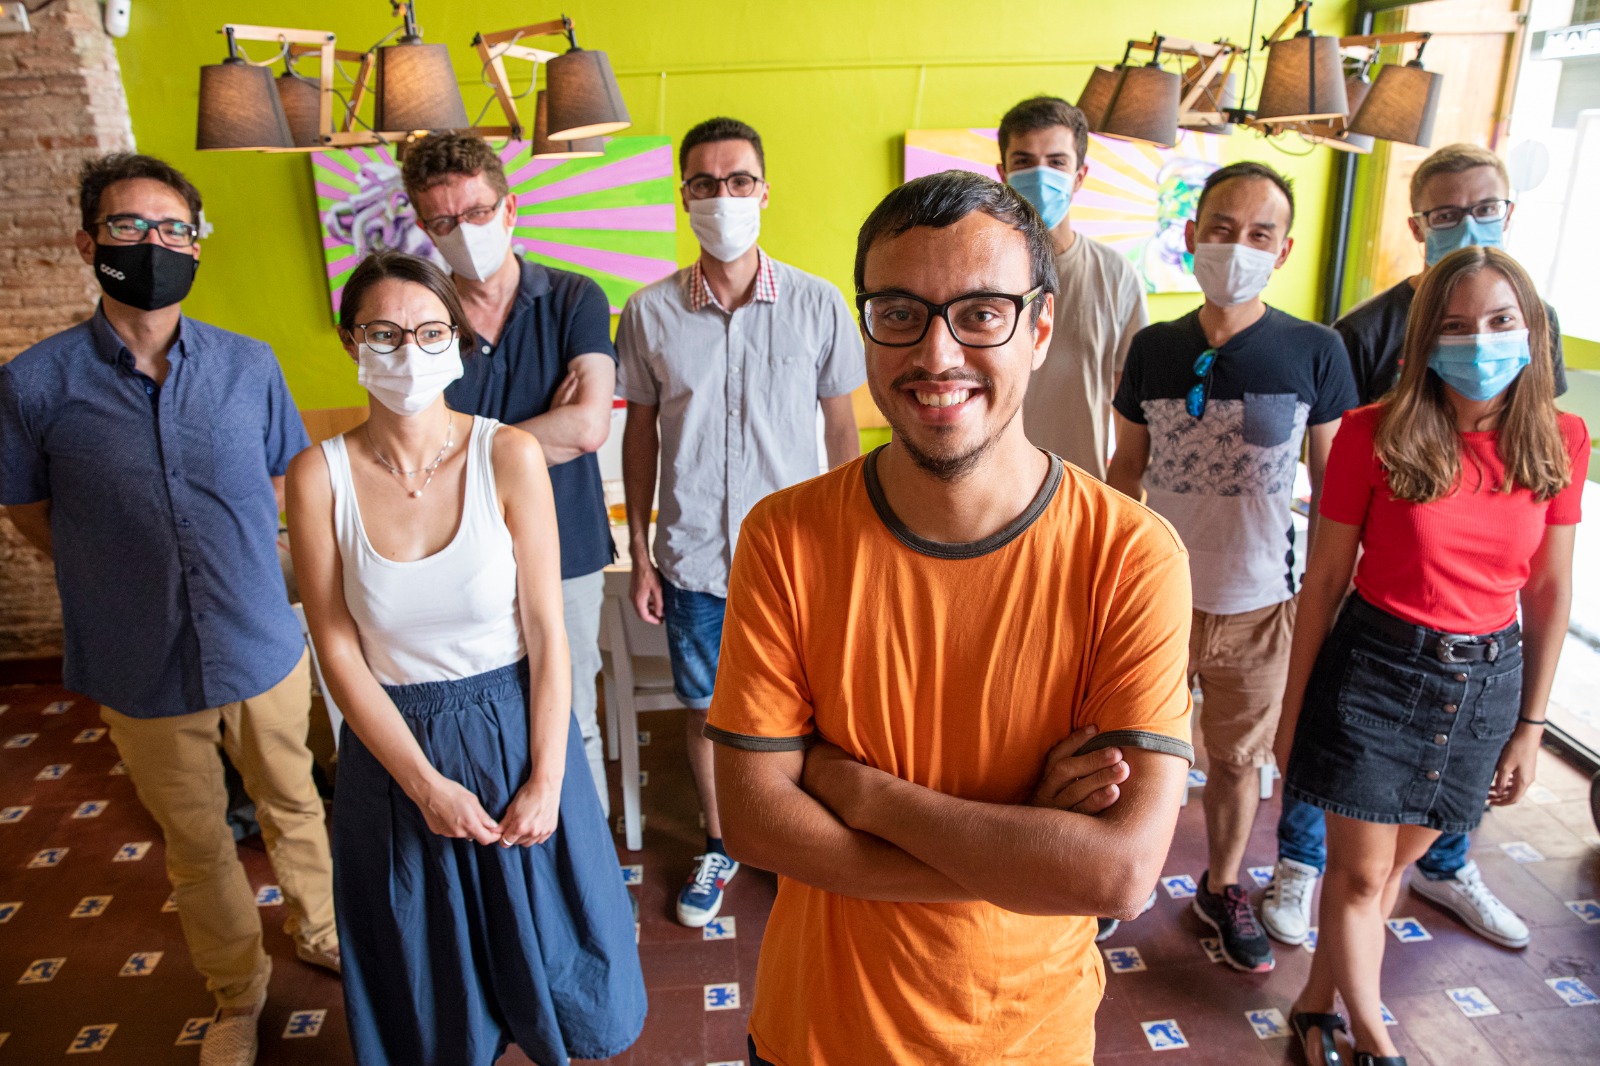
x=1208, y=1003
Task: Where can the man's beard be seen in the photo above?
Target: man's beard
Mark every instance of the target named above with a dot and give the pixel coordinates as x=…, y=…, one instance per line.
x=947, y=468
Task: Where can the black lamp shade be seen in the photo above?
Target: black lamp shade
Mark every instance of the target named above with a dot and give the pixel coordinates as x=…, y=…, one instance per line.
x=239, y=108
x=416, y=90
x=302, y=106
x=544, y=148
x=1304, y=81
x=1097, y=94
x=1401, y=106
x=1221, y=94
x=584, y=100
x=1144, y=106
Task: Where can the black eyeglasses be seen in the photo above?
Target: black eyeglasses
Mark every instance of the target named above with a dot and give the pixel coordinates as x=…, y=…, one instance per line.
x=1442, y=218
x=383, y=337
x=1195, y=402
x=976, y=320
x=704, y=186
x=440, y=225
x=131, y=229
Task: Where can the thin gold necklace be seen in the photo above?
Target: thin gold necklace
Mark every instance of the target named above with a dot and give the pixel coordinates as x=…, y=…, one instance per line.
x=407, y=475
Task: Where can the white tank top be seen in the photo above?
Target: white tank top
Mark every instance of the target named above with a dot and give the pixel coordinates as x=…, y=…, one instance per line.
x=445, y=617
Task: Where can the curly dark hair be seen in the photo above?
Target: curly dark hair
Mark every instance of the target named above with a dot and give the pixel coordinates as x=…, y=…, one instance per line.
x=441, y=155
x=98, y=175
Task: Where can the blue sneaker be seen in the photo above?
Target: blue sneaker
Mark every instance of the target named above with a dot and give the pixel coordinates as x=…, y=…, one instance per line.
x=701, y=896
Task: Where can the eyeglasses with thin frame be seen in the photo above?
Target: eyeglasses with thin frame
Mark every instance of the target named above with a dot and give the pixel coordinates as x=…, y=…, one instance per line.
x=442, y=225
x=384, y=337
x=131, y=229
x=739, y=183
x=975, y=319
x=1445, y=218
x=1195, y=401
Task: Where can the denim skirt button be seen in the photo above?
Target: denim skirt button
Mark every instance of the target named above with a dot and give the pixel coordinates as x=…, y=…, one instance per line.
x=1460, y=677
x=1448, y=708
x=1441, y=738
x=1433, y=775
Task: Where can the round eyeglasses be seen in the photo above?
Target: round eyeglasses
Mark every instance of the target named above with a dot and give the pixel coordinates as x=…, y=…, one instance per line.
x=382, y=337
x=1443, y=218
x=704, y=186
x=131, y=229
x=976, y=320
x=442, y=225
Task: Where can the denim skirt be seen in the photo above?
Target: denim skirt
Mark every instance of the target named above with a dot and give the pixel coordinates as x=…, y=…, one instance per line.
x=454, y=949
x=1391, y=732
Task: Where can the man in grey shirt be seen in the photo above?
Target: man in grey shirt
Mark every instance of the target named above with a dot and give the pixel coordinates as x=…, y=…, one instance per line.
x=1044, y=145
x=724, y=366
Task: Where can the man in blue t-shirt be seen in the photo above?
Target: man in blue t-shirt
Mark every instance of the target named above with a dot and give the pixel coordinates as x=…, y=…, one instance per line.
x=544, y=364
x=1211, y=414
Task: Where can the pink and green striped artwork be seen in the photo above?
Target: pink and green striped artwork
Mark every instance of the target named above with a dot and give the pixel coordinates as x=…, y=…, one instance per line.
x=610, y=217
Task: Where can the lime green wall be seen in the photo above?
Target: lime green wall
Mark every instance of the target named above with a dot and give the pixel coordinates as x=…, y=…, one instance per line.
x=832, y=85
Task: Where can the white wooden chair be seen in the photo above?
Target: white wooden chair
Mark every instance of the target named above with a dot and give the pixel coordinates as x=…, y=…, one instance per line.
x=335, y=716
x=637, y=677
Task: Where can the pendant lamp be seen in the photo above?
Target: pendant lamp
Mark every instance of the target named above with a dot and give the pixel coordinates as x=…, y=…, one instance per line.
x=1097, y=94
x=544, y=148
x=239, y=107
x=302, y=106
x=584, y=100
x=1304, y=81
x=1220, y=95
x=1356, y=87
x=416, y=86
x=1144, y=106
x=1401, y=106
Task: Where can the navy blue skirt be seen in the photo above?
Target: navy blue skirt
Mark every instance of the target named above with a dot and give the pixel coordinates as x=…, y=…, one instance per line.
x=451, y=949
x=1391, y=734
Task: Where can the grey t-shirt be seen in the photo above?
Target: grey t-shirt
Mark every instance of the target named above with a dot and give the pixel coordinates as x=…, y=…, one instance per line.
x=1100, y=307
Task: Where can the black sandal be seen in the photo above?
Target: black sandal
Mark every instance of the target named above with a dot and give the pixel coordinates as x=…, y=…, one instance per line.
x=1326, y=1025
x=1367, y=1058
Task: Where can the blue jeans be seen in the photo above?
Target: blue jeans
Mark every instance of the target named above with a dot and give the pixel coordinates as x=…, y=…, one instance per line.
x=694, y=641
x=1303, y=837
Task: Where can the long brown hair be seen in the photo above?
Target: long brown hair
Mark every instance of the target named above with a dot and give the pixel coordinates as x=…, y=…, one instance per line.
x=1417, y=439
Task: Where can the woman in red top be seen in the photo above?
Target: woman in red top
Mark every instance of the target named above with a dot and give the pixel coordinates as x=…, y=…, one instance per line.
x=1422, y=696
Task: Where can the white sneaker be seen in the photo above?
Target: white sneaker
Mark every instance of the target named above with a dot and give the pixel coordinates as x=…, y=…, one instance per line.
x=1469, y=899
x=1286, y=908
x=232, y=1041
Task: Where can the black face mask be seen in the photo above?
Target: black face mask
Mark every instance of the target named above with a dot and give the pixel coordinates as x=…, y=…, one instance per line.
x=146, y=276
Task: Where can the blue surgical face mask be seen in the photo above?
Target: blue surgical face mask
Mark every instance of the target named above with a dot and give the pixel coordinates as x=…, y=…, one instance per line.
x=1482, y=365
x=1469, y=232
x=1049, y=191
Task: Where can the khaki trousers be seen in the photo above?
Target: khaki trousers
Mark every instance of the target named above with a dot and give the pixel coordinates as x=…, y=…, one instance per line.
x=178, y=774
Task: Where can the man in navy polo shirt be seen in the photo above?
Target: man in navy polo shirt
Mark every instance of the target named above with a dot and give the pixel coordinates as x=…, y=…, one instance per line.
x=145, y=452
x=544, y=364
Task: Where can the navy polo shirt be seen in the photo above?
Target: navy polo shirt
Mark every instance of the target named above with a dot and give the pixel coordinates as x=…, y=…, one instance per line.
x=556, y=316
x=163, y=520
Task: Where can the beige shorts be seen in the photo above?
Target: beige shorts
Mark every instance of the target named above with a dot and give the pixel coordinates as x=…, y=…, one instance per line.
x=1242, y=663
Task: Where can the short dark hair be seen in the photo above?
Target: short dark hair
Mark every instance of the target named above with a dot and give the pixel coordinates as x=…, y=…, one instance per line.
x=381, y=266
x=1041, y=113
x=1247, y=169
x=720, y=129
x=941, y=200
x=98, y=175
x=441, y=155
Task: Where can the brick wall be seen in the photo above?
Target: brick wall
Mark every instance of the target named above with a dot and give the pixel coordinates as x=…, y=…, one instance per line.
x=62, y=101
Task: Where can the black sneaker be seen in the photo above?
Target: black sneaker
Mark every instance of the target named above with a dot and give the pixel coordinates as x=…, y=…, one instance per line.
x=1244, y=945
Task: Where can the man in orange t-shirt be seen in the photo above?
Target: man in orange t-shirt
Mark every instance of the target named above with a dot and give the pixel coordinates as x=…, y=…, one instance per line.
x=916, y=645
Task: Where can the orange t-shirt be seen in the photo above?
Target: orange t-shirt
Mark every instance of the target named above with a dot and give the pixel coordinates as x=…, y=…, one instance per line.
x=956, y=667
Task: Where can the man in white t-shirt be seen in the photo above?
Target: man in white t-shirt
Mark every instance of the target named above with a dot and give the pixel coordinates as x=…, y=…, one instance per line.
x=1044, y=143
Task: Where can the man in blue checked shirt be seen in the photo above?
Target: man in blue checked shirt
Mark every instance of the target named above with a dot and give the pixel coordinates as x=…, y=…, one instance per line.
x=145, y=453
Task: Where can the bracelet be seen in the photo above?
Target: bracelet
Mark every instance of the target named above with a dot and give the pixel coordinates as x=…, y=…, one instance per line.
x=1532, y=721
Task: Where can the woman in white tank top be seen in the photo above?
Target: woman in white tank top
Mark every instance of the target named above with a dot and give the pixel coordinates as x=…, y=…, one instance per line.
x=474, y=876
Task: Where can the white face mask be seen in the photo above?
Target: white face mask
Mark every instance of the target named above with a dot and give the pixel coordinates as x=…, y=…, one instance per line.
x=1232, y=273
x=475, y=252
x=726, y=226
x=408, y=379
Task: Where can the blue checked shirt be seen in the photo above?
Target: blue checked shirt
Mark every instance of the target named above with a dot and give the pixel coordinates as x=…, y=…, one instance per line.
x=162, y=515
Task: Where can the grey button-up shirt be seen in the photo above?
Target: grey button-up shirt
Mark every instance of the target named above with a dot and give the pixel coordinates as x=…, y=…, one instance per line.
x=737, y=397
